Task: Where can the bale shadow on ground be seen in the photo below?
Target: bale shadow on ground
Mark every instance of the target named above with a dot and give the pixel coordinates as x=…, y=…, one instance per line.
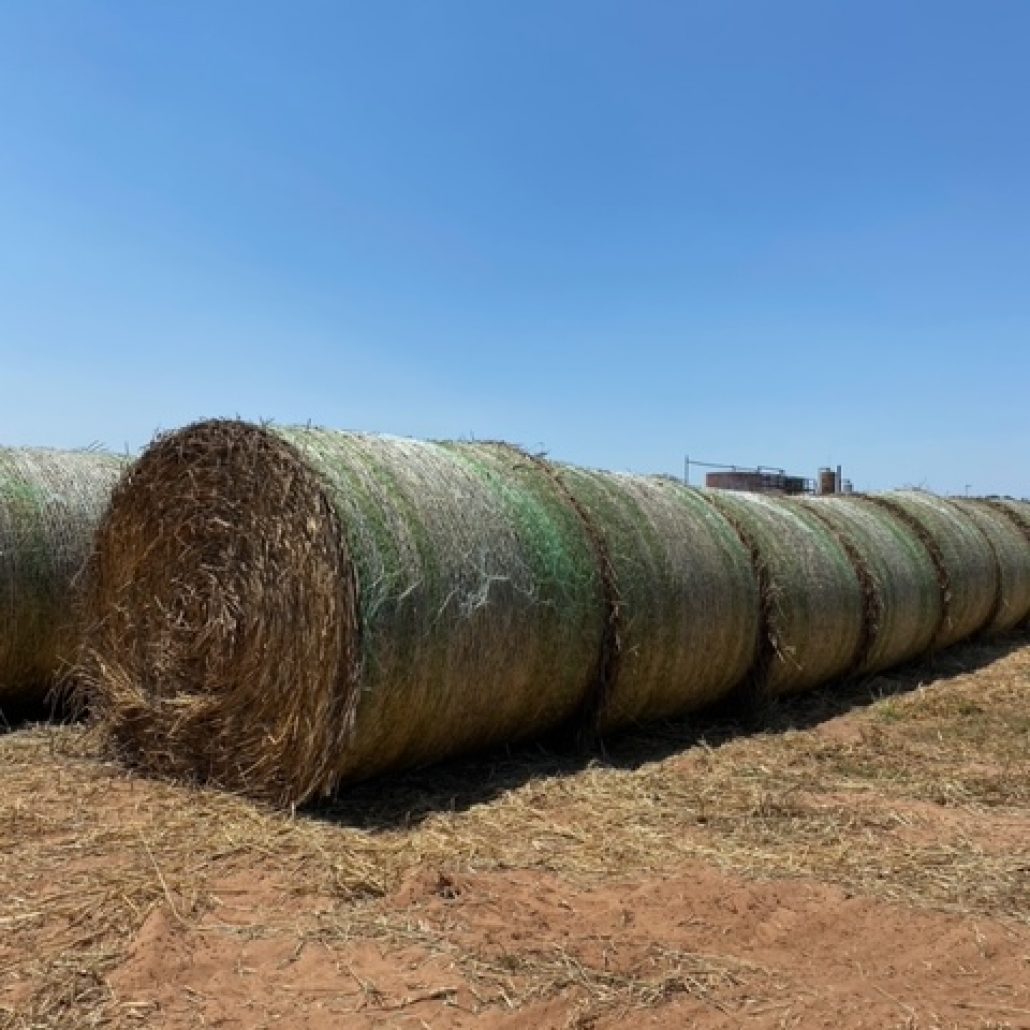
x=406, y=799
x=19, y=712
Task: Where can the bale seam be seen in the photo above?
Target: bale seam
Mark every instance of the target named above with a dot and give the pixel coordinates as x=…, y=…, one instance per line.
x=756, y=679
x=585, y=722
x=925, y=537
x=872, y=601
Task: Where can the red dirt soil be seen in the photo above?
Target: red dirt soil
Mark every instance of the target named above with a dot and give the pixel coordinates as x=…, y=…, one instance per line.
x=697, y=948
x=861, y=861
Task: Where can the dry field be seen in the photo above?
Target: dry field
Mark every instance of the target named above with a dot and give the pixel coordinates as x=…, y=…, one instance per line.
x=859, y=858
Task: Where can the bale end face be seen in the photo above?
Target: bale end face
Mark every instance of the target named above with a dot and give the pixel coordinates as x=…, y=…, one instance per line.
x=219, y=616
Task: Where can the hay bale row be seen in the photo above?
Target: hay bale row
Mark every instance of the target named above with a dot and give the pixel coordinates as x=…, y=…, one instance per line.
x=967, y=568
x=421, y=599
x=1008, y=546
x=813, y=598
x=689, y=603
x=50, y=504
x=1018, y=514
x=904, y=607
x=283, y=611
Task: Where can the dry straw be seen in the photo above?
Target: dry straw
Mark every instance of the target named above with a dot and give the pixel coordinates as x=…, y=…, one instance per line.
x=50, y=504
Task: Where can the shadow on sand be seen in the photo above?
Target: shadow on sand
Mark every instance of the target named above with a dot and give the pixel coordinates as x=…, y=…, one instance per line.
x=406, y=799
x=18, y=712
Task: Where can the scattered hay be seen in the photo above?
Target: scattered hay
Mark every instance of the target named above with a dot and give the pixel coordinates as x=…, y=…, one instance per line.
x=903, y=579
x=815, y=604
x=852, y=788
x=50, y=503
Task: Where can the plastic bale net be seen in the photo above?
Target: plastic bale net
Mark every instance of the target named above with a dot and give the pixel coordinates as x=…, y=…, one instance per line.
x=904, y=606
x=966, y=565
x=1018, y=512
x=1011, y=547
x=50, y=504
x=281, y=611
x=814, y=605
x=689, y=607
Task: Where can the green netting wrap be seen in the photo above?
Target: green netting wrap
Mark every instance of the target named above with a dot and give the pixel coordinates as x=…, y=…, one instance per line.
x=813, y=600
x=50, y=504
x=281, y=611
x=1018, y=513
x=480, y=603
x=284, y=611
x=906, y=607
x=966, y=565
x=1011, y=547
x=688, y=600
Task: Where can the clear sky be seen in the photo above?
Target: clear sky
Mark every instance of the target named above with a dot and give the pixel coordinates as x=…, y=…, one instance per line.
x=788, y=233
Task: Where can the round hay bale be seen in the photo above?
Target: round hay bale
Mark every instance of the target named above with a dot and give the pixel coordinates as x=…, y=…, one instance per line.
x=280, y=611
x=1017, y=512
x=1011, y=547
x=814, y=603
x=905, y=607
x=50, y=504
x=688, y=602
x=966, y=565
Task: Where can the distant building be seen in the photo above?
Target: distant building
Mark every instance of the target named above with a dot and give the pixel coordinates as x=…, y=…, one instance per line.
x=759, y=482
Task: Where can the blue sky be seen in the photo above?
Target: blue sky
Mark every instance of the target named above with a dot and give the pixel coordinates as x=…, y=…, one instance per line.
x=791, y=233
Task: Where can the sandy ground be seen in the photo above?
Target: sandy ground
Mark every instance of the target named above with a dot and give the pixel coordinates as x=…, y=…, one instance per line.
x=860, y=858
